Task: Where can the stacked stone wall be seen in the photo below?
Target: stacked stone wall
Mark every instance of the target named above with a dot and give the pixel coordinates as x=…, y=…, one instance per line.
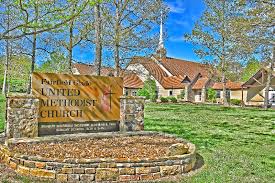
x=131, y=113
x=22, y=116
x=101, y=169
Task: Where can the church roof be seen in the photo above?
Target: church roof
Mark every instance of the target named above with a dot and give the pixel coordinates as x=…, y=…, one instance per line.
x=167, y=82
x=87, y=69
x=229, y=85
x=180, y=69
x=131, y=80
x=183, y=67
x=200, y=83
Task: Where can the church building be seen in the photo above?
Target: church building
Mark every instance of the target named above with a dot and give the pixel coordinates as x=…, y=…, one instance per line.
x=174, y=77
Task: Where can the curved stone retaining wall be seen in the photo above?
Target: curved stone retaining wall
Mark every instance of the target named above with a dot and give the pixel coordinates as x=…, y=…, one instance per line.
x=88, y=170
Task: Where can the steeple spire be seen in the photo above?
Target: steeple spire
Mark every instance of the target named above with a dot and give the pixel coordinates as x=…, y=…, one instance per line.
x=161, y=51
x=161, y=45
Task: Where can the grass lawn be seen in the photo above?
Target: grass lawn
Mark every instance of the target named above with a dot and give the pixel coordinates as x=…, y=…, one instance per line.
x=237, y=145
x=2, y=112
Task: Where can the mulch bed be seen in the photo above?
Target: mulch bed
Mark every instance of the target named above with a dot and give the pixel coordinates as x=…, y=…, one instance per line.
x=117, y=147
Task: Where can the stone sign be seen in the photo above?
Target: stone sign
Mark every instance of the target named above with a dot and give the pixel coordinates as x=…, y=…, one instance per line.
x=77, y=103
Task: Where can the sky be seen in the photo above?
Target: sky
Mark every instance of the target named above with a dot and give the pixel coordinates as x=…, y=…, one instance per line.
x=182, y=17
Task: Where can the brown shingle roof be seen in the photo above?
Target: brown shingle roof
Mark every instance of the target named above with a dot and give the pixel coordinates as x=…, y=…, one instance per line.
x=200, y=83
x=154, y=69
x=159, y=74
x=229, y=85
x=86, y=69
x=173, y=82
x=181, y=67
x=132, y=81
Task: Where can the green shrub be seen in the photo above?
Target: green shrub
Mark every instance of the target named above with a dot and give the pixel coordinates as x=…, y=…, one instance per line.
x=143, y=92
x=235, y=102
x=164, y=100
x=182, y=94
x=211, y=95
x=148, y=90
x=172, y=99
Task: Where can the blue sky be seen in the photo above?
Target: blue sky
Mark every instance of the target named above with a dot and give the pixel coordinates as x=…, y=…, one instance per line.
x=182, y=17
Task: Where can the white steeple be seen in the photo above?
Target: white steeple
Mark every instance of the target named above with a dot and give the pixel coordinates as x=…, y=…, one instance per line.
x=161, y=45
x=161, y=51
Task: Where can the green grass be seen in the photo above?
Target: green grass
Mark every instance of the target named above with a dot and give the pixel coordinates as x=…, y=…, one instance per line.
x=2, y=112
x=237, y=145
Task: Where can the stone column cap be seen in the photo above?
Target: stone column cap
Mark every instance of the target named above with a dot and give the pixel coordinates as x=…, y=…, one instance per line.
x=21, y=95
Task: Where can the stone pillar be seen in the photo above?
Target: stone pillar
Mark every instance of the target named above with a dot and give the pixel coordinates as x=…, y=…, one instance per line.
x=186, y=93
x=22, y=116
x=203, y=94
x=131, y=113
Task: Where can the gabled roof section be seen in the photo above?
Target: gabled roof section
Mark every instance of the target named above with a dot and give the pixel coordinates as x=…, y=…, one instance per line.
x=87, y=69
x=182, y=67
x=186, y=79
x=257, y=78
x=166, y=81
x=200, y=83
x=131, y=80
x=173, y=82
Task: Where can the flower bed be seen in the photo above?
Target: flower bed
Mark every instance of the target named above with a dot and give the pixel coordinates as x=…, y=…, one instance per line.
x=126, y=157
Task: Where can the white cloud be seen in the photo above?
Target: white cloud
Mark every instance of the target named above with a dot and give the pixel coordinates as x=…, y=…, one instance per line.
x=176, y=39
x=176, y=6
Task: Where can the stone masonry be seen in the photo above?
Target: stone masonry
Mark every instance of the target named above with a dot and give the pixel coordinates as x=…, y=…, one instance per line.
x=22, y=114
x=131, y=113
x=100, y=169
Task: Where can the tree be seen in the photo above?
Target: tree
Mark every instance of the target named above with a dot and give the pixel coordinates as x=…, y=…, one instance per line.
x=98, y=38
x=129, y=28
x=214, y=35
x=258, y=25
x=149, y=90
x=8, y=54
x=73, y=33
x=251, y=68
x=57, y=63
x=54, y=14
x=18, y=81
x=211, y=95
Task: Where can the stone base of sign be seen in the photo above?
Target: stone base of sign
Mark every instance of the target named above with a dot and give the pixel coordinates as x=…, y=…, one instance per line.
x=131, y=113
x=22, y=115
x=22, y=119
x=98, y=170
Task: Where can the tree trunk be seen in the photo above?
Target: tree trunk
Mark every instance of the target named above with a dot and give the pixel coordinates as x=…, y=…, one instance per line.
x=4, y=89
x=225, y=102
x=33, y=61
x=117, y=40
x=34, y=43
x=70, y=48
x=268, y=82
x=117, y=60
x=224, y=59
x=98, y=41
